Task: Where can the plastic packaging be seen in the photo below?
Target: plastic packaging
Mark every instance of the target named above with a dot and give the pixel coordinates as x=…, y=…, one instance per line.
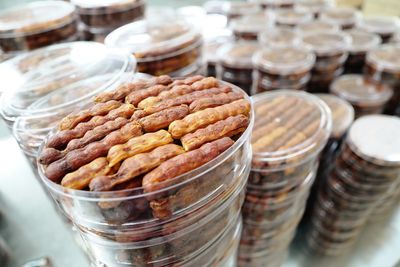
x=279, y=36
x=314, y=7
x=210, y=50
x=37, y=24
x=274, y=4
x=346, y=18
x=277, y=68
x=235, y=63
x=317, y=26
x=292, y=17
x=166, y=45
x=239, y=9
x=366, y=97
x=384, y=26
x=249, y=27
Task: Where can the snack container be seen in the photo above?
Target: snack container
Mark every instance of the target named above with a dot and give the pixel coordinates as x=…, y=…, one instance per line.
x=46, y=84
x=109, y=14
x=274, y=4
x=166, y=45
x=282, y=67
x=34, y=25
x=314, y=7
x=317, y=26
x=235, y=63
x=384, y=26
x=292, y=17
x=249, y=27
x=238, y=9
x=279, y=36
x=366, y=97
x=345, y=18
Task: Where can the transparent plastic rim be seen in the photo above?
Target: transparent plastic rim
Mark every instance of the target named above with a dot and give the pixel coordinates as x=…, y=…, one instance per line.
x=227, y=60
x=308, y=145
x=353, y=17
x=340, y=46
x=265, y=36
x=101, y=8
x=374, y=41
x=388, y=25
x=385, y=65
x=195, y=174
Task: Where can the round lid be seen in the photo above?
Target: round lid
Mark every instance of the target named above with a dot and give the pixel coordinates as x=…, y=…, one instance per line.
x=362, y=41
x=89, y=4
x=32, y=76
x=325, y=44
x=357, y=90
x=238, y=54
x=251, y=24
x=379, y=25
x=342, y=114
x=340, y=15
x=314, y=6
x=290, y=16
x=34, y=17
x=375, y=138
x=317, y=26
x=385, y=57
x=279, y=37
x=145, y=37
x=211, y=46
x=290, y=127
x=284, y=60
x=240, y=8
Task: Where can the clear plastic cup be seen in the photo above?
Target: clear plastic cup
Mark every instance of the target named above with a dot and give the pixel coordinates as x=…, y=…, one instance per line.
x=317, y=26
x=366, y=97
x=249, y=27
x=33, y=25
x=235, y=63
x=345, y=17
x=314, y=7
x=286, y=67
x=279, y=36
x=292, y=17
x=384, y=26
x=161, y=45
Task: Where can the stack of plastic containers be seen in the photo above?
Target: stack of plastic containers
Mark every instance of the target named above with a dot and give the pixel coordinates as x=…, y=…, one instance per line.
x=385, y=27
x=346, y=18
x=365, y=170
x=314, y=7
x=291, y=129
x=292, y=17
x=282, y=67
x=383, y=66
x=210, y=51
x=366, y=97
x=273, y=4
x=99, y=18
x=317, y=26
x=238, y=9
x=279, y=36
x=199, y=223
x=331, y=52
x=164, y=45
x=44, y=85
x=37, y=24
x=249, y=27
x=235, y=63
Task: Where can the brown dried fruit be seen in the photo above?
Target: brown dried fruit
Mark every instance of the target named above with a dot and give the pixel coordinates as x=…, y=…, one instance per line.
x=136, y=96
x=214, y=101
x=162, y=119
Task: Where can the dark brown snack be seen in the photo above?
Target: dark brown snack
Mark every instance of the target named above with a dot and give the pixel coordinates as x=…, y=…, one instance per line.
x=163, y=118
x=224, y=128
x=61, y=139
x=77, y=158
x=208, y=116
x=135, y=166
x=136, y=96
x=81, y=178
x=184, y=163
x=73, y=120
x=186, y=99
x=214, y=101
x=138, y=145
x=125, y=89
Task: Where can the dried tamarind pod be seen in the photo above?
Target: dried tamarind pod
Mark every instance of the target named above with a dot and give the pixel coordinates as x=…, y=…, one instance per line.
x=81, y=178
x=207, y=116
x=186, y=99
x=205, y=83
x=72, y=120
x=174, y=92
x=214, y=101
x=135, y=166
x=79, y=157
x=228, y=127
x=163, y=118
x=61, y=139
x=184, y=163
x=138, y=145
x=122, y=91
x=136, y=96
x=187, y=81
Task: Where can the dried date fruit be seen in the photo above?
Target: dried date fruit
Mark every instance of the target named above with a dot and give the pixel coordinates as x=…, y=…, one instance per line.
x=214, y=101
x=163, y=118
x=224, y=128
x=135, y=97
x=207, y=116
x=81, y=178
x=138, y=145
x=135, y=166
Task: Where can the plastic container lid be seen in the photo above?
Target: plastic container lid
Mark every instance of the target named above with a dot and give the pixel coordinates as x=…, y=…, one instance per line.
x=362, y=41
x=314, y=6
x=47, y=71
x=215, y=7
x=297, y=128
x=385, y=58
x=327, y=44
x=279, y=36
x=147, y=39
x=375, y=138
x=97, y=6
x=379, y=24
x=284, y=60
x=274, y=3
x=355, y=89
x=289, y=16
x=238, y=54
x=35, y=17
x=317, y=26
x=252, y=24
x=343, y=16
x=342, y=114
x=232, y=9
